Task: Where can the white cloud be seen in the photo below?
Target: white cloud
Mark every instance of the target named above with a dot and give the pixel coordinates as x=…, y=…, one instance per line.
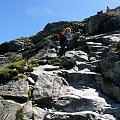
x=37, y=11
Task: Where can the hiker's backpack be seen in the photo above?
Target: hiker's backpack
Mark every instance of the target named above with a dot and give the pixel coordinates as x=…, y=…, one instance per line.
x=63, y=38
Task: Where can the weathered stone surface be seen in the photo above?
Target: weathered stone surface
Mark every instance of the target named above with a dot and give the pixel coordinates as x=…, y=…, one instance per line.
x=82, y=78
x=77, y=55
x=85, y=115
x=83, y=65
x=28, y=111
x=48, y=85
x=15, y=89
x=97, y=50
x=45, y=54
x=77, y=103
x=39, y=113
x=8, y=109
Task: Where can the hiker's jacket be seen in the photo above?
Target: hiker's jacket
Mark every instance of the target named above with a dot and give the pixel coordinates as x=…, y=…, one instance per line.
x=63, y=38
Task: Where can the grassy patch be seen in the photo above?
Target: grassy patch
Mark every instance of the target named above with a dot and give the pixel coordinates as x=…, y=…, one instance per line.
x=19, y=76
x=19, y=65
x=19, y=114
x=53, y=37
x=13, y=70
x=36, y=62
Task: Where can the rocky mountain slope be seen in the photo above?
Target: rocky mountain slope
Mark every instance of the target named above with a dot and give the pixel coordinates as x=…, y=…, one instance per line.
x=83, y=84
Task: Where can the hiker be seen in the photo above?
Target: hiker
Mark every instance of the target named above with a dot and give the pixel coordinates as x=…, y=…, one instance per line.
x=107, y=9
x=64, y=38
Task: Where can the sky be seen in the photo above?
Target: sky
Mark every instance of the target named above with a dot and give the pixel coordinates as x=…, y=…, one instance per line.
x=24, y=18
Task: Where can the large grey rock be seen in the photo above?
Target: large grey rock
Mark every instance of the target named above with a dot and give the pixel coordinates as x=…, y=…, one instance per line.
x=56, y=27
x=75, y=103
x=8, y=109
x=31, y=111
x=46, y=53
x=47, y=86
x=51, y=28
x=28, y=111
x=77, y=55
x=68, y=63
x=85, y=115
x=76, y=100
x=15, y=89
x=39, y=113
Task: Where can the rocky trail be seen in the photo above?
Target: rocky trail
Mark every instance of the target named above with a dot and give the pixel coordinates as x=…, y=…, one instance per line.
x=83, y=84
x=81, y=97
x=59, y=93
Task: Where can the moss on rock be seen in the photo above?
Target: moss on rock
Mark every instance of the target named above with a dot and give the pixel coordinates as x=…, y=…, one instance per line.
x=19, y=114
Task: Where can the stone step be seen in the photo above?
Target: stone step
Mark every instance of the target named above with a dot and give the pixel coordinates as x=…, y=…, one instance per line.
x=93, y=43
x=83, y=65
x=15, y=89
x=83, y=78
x=3, y=57
x=99, y=53
x=85, y=115
x=97, y=48
x=80, y=100
x=95, y=62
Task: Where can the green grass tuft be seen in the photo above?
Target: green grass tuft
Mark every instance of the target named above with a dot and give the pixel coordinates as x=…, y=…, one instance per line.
x=19, y=114
x=12, y=70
